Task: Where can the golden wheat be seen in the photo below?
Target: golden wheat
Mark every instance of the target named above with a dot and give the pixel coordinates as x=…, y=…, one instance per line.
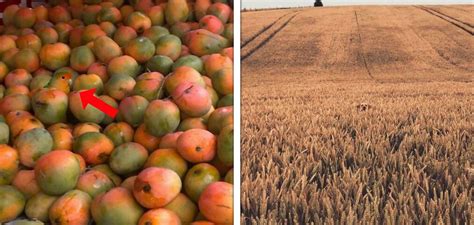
x=345, y=124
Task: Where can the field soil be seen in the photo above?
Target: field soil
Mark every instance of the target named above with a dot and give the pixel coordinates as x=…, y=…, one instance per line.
x=358, y=115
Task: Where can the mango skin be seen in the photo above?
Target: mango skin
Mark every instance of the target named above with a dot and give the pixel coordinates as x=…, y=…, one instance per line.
x=203, y=42
x=176, y=11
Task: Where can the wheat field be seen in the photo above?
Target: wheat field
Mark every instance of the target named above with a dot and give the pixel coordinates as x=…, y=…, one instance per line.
x=358, y=115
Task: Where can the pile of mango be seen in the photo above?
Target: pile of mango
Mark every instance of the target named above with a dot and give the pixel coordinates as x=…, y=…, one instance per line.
x=164, y=157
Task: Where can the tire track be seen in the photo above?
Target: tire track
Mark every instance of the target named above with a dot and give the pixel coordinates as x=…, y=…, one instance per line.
x=448, y=19
x=361, y=54
x=265, y=28
x=267, y=39
x=458, y=20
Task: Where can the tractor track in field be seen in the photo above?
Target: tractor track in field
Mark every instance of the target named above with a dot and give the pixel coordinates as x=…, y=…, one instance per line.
x=458, y=23
x=246, y=54
x=265, y=28
x=453, y=18
x=361, y=53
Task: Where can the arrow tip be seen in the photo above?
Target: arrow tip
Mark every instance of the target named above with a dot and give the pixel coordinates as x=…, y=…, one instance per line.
x=86, y=97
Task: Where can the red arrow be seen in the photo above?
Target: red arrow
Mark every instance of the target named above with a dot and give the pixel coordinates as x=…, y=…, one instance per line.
x=87, y=97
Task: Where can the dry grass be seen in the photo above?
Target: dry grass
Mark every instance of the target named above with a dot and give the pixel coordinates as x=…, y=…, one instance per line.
x=362, y=120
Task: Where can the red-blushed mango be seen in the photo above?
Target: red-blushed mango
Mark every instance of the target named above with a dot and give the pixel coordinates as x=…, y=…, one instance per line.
x=184, y=208
x=109, y=14
x=117, y=207
x=220, y=118
x=221, y=11
x=229, y=32
x=192, y=99
x=143, y=137
x=161, y=117
x=216, y=202
x=33, y=144
x=167, y=158
x=62, y=136
x=191, y=61
x=29, y=41
x=14, y=102
x=154, y=33
x=41, y=12
x=81, y=59
x=128, y=183
x=71, y=208
x=9, y=164
x=8, y=57
x=203, y=42
x=25, y=31
x=197, y=145
x=124, y=34
x=200, y=8
x=50, y=106
x=149, y=85
x=18, y=89
x=87, y=82
x=89, y=14
x=132, y=109
x=75, y=37
x=213, y=95
x=104, y=168
x=18, y=77
x=229, y=52
x=94, y=147
x=198, y=178
x=140, y=48
x=12, y=203
x=119, y=133
x=89, y=114
x=25, y=182
x=179, y=29
x=57, y=172
x=159, y=216
x=21, y=121
x=126, y=10
x=37, y=207
x=160, y=63
x=109, y=28
x=225, y=146
x=64, y=30
x=106, y=49
x=170, y=140
x=3, y=70
x=138, y=21
x=9, y=14
x=176, y=11
x=94, y=183
x=156, y=187
x=24, y=18
x=223, y=81
x=123, y=65
x=192, y=123
x=216, y=62
x=100, y=70
x=169, y=45
x=82, y=128
x=141, y=5
x=48, y=35
x=181, y=75
x=128, y=158
x=229, y=177
x=59, y=14
x=120, y=86
x=4, y=134
x=7, y=43
x=55, y=56
x=212, y=24
x=227, y=100
x=157, y=15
